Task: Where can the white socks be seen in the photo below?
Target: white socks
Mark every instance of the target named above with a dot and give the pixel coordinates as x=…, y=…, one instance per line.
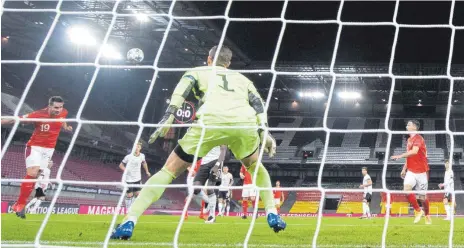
x=30, y=203
x=228, y=209
x=448, y=211
x=36, y=202
x=366, y=209
x=221, y=208
x=212, y=204
x=36, y=205
x=128, y=201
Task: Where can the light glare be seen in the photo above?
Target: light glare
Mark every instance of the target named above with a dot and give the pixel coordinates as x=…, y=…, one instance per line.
x=81, y=36
x=349, y=95
x=142, y=17
x=110, y=51
x=313, y=94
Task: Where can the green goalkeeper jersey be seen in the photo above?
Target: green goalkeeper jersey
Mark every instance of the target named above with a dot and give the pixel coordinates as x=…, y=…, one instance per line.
x=224, y=96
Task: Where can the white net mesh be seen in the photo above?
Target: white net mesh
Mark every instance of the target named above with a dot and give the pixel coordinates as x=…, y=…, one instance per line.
x=272, y=70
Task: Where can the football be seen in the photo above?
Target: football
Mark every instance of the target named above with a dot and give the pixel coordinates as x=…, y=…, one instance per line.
x=135, y=55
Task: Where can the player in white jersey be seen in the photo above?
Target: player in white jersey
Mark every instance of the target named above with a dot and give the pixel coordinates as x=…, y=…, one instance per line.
x=133, y=163
x=224, y=193
x=367, y=186
x=40, y=188
x=448, y=185
x=207, y=173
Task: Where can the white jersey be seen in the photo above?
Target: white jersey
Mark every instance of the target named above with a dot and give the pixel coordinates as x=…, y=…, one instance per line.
x=226, y=180
x=43, y=179
x=365, y=181
x=134, y=167
x=212, y=155
x=449, y=181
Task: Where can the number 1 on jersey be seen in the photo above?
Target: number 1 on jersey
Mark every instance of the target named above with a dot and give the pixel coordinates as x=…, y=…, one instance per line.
x=225, y=84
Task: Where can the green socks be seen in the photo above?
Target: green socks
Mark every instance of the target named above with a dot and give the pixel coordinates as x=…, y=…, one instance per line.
x=148, y=195
x=264, y=180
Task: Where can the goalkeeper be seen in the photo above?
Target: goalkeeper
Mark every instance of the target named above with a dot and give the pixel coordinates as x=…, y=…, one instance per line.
x=228, y=99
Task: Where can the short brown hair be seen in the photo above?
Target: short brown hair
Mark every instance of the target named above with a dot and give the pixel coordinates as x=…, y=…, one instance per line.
x=416, y=123
x=224, y=57
x=364, y=168
x=53, y=99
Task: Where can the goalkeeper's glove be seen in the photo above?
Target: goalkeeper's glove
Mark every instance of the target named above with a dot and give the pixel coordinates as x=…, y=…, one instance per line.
x=269, y=143
x=215, y=172
x=168, y=119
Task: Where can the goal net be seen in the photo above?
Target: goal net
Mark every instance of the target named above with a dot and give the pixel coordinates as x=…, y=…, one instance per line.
x=58, y=12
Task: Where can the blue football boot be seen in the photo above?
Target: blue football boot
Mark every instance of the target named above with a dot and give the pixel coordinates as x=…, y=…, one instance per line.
x=275, y=222
x=123, y=231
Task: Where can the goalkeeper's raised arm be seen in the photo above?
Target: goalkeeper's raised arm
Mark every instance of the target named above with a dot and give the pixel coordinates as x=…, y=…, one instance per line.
x=182, y=90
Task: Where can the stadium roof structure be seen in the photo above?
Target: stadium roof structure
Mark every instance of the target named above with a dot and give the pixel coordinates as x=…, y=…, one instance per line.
x=190, y=39
x=305, y=47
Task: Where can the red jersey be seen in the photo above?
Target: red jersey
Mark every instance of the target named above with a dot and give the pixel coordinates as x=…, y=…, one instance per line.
x=277, y=194
x=45, y=133
x=197, y=167
x=417, y=163
x=247, y=179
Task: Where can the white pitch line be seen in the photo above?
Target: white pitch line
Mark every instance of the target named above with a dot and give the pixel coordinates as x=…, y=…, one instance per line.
x=161, y=244
x=238, y=223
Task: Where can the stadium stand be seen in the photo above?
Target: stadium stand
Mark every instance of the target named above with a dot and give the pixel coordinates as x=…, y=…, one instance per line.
x=306, y=202
x=350, y=203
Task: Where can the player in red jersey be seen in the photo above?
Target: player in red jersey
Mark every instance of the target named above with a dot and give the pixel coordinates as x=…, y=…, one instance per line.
x=278, y=196
x=247, y=194
x=41, y=145
x=416, y=171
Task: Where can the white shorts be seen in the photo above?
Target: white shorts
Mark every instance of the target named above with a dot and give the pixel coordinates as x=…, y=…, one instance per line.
x=420, y=181
x=248, y=193
x=38, y=156
x=277, y=201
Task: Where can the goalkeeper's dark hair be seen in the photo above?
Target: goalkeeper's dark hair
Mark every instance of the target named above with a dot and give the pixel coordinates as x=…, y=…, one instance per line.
x=224, y=57
x=53, y=99
x=416, y=123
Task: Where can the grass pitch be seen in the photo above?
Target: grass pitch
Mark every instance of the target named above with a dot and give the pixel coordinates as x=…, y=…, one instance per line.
x=158, y=231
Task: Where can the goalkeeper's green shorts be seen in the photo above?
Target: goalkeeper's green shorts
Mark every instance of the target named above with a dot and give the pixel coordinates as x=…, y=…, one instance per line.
x=242, y=142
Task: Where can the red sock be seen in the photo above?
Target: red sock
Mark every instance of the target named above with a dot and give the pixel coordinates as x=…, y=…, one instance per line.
x=245, y=207
x=26, y=189
x=426, y=206
x=186, y=212
x=202, y=207
x=413, y=201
